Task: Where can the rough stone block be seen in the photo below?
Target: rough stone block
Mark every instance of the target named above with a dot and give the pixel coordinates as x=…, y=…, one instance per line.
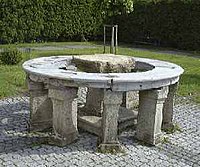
x=94, y=102
x=104, y=63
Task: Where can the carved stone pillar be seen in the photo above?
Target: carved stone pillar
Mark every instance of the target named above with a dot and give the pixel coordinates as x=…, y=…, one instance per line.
x=64, y=115
x=40, y=106
x=108, y=139
x=150, y=115
x=168, y=107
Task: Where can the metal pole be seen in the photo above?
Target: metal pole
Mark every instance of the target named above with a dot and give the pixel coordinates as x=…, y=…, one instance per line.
x=112, y=40
x=104, y=39
x=116, y=42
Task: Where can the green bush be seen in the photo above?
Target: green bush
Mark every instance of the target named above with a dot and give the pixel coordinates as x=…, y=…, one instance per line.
x=173, y=23
x=10, y=56
x=38, y=20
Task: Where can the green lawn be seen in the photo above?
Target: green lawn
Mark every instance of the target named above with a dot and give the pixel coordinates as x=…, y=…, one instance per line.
x=12, y=78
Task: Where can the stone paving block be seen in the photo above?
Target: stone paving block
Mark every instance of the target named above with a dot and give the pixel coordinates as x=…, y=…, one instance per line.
x=22, y=149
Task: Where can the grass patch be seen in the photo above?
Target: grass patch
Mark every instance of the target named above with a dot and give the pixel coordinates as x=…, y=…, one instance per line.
x=174, y=128
x=165, y=140
x=113, y=151
x=61, y=44
x=12, y=78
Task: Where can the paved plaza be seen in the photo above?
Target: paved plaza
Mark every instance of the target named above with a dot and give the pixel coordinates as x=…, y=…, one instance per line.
x=18, y=147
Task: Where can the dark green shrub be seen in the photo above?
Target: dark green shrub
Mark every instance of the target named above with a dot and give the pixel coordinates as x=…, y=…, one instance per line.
x=20, y=20
x=173, y=23
x=10, y=56
x=38, y=20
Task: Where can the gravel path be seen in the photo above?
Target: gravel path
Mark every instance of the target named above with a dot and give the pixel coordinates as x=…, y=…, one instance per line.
x=56, y=48
x=172, y=52
x=139, y=48
x=20, y=148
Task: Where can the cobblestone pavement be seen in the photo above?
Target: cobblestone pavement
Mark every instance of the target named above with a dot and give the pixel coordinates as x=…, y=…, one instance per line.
x=20, y=148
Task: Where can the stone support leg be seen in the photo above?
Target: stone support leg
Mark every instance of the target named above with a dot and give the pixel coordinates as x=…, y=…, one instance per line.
x=94, y=102
x=130, y=100
x=64, y=115
x=150, y=115
x=168, y=107
x=40, y=107
x=124, y=99
x=111, y=103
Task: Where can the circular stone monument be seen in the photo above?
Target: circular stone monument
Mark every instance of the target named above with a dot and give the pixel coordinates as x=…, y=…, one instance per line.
x=53, y=83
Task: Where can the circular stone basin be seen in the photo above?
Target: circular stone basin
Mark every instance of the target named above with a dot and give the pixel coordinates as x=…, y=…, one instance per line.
x=59, y=70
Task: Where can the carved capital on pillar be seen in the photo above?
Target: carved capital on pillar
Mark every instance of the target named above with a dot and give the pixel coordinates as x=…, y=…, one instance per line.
x=159, y=94
x=34, y=86
x=63, y=94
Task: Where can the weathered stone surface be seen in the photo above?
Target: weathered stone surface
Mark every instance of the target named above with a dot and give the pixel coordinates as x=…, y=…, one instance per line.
x=40, y=107
x=64, y=115
x=168, y=107
x=131, y=100
x=104, y=63
x=90, y=124
x=101, y=63
x=127, y=118
x=160, y=74
x=94, y=102
x=150, y=115
x=111, y=102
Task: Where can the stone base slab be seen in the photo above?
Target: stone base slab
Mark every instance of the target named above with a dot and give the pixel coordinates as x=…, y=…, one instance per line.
x=92, y=124
x=59, y=141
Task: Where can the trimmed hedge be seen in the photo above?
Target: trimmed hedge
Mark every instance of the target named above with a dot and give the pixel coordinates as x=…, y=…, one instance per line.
x=21, y=20
x=28, y=20
x=173, y=23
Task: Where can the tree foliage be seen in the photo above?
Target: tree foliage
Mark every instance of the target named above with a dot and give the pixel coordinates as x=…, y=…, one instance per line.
x=116, y=7
x=168, y=22
x=173, y=23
